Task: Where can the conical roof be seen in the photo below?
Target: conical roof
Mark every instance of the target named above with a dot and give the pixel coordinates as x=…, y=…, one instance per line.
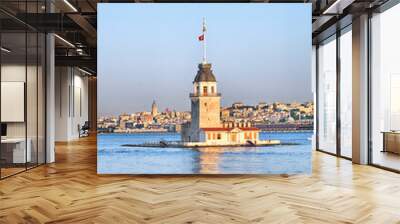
x=205, y=74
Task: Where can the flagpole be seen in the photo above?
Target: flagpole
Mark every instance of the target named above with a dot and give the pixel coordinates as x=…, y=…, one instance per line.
x=204, y=42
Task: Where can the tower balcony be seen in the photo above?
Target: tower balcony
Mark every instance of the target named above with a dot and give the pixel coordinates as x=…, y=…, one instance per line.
x=204, y=94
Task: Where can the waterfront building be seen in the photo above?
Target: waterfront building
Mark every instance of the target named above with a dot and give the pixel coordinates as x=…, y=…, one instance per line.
x=225, y=113
x=261, y=105
x=206, y=125
x=124, y=117
x=237, y=105
x=129, y=124
x=122, y=124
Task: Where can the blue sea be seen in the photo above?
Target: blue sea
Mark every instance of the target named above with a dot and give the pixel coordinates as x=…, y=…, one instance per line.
x=281, y=159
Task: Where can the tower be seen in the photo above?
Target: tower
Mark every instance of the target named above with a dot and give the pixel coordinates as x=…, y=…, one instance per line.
x=154, y=110
x=205, y=99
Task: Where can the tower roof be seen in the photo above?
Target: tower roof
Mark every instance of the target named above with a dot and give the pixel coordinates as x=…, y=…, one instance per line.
x=205, y=74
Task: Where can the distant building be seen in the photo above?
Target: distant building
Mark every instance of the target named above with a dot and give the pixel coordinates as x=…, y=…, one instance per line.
x=122, y=124
x=124, y=117
x=129, y=125
x=147, y=118
x=237, y=105
x=225, y=113
x=154, y=110
x=261, y=105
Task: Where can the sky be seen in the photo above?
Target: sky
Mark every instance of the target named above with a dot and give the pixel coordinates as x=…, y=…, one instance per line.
x=259, y=53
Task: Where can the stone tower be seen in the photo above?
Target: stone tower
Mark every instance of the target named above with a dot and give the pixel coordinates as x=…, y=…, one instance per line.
x=154, y=110
x=205, y=99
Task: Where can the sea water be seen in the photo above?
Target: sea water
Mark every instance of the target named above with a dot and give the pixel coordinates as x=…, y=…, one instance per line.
x=292, y=157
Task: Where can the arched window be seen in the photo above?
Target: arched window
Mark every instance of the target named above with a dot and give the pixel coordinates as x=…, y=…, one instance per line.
x=212, y=90
x=204, y=90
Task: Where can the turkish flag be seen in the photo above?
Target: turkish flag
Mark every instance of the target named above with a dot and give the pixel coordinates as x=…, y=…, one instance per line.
x=201, y=37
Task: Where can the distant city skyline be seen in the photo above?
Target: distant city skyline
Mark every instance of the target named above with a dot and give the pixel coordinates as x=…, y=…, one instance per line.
x=172, y=109
x=270, y=117
x=150, y=52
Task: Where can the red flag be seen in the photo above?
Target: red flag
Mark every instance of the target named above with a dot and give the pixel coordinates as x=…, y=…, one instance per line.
x=201, y=37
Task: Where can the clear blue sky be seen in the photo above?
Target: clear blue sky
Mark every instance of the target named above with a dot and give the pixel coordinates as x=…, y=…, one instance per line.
x=259, y=52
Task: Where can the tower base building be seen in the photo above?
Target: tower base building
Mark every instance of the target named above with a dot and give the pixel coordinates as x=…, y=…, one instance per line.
x=206, y=128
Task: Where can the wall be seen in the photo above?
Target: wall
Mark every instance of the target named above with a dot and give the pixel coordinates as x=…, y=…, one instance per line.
x=209, y=111
x=33, y=126
x=14, y=73
x=71, y=102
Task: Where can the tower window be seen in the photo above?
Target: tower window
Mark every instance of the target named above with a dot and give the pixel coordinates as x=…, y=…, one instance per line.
x=205, y=90
x=212, y=89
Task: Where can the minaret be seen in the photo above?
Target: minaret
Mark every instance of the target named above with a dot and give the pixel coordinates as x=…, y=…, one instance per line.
x=154, y=110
